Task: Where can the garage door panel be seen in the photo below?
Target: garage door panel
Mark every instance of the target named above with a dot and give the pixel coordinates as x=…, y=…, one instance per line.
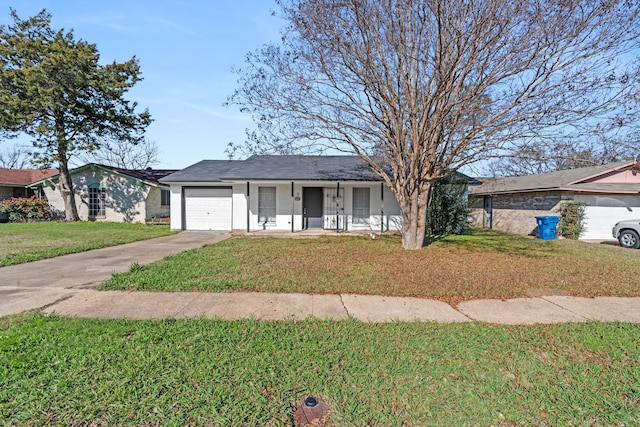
x=208, y=208
x=599, y=220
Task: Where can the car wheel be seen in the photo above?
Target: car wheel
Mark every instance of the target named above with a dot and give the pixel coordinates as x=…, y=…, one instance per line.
x=629, y=239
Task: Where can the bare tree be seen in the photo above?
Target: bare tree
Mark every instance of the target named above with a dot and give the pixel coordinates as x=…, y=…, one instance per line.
x=558, y=155
x=15, y=157
x=124, y=155
x=421, y=88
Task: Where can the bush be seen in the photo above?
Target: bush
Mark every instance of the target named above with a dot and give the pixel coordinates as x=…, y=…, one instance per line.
x=448, y=209
x=20, y=209
x=571, y=219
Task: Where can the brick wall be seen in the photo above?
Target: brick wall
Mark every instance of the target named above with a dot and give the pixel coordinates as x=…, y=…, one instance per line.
x=515, y=213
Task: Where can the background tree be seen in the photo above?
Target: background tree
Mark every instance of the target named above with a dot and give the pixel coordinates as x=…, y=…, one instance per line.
x=426, y=87
x=53, y=88
x=16, y=156
x=123, y=155
x=550, y=156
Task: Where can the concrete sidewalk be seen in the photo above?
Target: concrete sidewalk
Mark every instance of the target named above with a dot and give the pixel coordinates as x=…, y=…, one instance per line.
x=270, y=306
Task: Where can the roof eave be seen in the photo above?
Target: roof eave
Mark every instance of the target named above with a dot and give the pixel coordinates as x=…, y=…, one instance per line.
x=608, y=171
x=90, y=166
x=562, y=188
x=599, y=190
x=43, y=181
x=244, y=180
x=522, y=190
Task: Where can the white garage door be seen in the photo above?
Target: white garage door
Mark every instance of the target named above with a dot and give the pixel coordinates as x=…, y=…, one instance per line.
x=599, y=220
x=207, y=208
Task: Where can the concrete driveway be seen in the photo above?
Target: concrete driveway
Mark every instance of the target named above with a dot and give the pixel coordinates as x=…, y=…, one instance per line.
x=42, y=283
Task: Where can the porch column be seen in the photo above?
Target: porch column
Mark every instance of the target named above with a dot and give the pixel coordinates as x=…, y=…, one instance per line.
x=338, y=208
x=293, y=206
x=382, y=207
x=248, y=209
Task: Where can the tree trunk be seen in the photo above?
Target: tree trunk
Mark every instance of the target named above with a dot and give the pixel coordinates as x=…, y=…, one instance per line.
x=414, y=217
x=66, y=190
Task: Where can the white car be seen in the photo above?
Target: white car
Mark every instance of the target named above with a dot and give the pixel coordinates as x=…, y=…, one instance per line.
x=628, y=233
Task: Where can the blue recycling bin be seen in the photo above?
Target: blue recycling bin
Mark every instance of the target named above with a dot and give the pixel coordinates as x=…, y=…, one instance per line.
x=547, y=227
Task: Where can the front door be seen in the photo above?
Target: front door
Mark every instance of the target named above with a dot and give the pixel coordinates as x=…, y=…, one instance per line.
x=488, y=212
x=333, y=209
x=312, y=207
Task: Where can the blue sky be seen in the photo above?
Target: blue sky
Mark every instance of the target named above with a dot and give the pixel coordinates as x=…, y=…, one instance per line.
x=186, y=51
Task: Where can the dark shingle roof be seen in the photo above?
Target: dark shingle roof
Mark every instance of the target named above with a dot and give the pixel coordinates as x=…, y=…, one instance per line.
x=277, y=168
x=148, y=175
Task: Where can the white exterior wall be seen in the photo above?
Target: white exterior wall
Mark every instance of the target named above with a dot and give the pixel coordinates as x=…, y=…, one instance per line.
x=176, y=207
x=286, y=205
x=125, y=197
x=153, y=204
x=53, y=196
x=383, y=207
x=239, y=196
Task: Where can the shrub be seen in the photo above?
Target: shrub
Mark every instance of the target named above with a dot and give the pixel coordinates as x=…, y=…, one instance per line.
x=571, y=219
x=20, y=209
x=448, y=209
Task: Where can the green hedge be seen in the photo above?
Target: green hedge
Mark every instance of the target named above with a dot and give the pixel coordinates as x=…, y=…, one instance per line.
x=448, y=209
x=571, y=219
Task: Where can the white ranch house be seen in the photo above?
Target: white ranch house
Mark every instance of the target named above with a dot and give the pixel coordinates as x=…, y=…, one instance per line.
x=288, y=193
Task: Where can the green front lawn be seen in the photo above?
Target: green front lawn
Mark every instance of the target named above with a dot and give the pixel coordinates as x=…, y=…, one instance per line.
x=60, y=371
x=24, y=242
x=57, y=371
x=483, y=265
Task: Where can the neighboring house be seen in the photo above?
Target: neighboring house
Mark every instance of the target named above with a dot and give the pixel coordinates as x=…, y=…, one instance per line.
x=610, y=192
x=107, y=193
x=15, y=182
x=289, y=193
